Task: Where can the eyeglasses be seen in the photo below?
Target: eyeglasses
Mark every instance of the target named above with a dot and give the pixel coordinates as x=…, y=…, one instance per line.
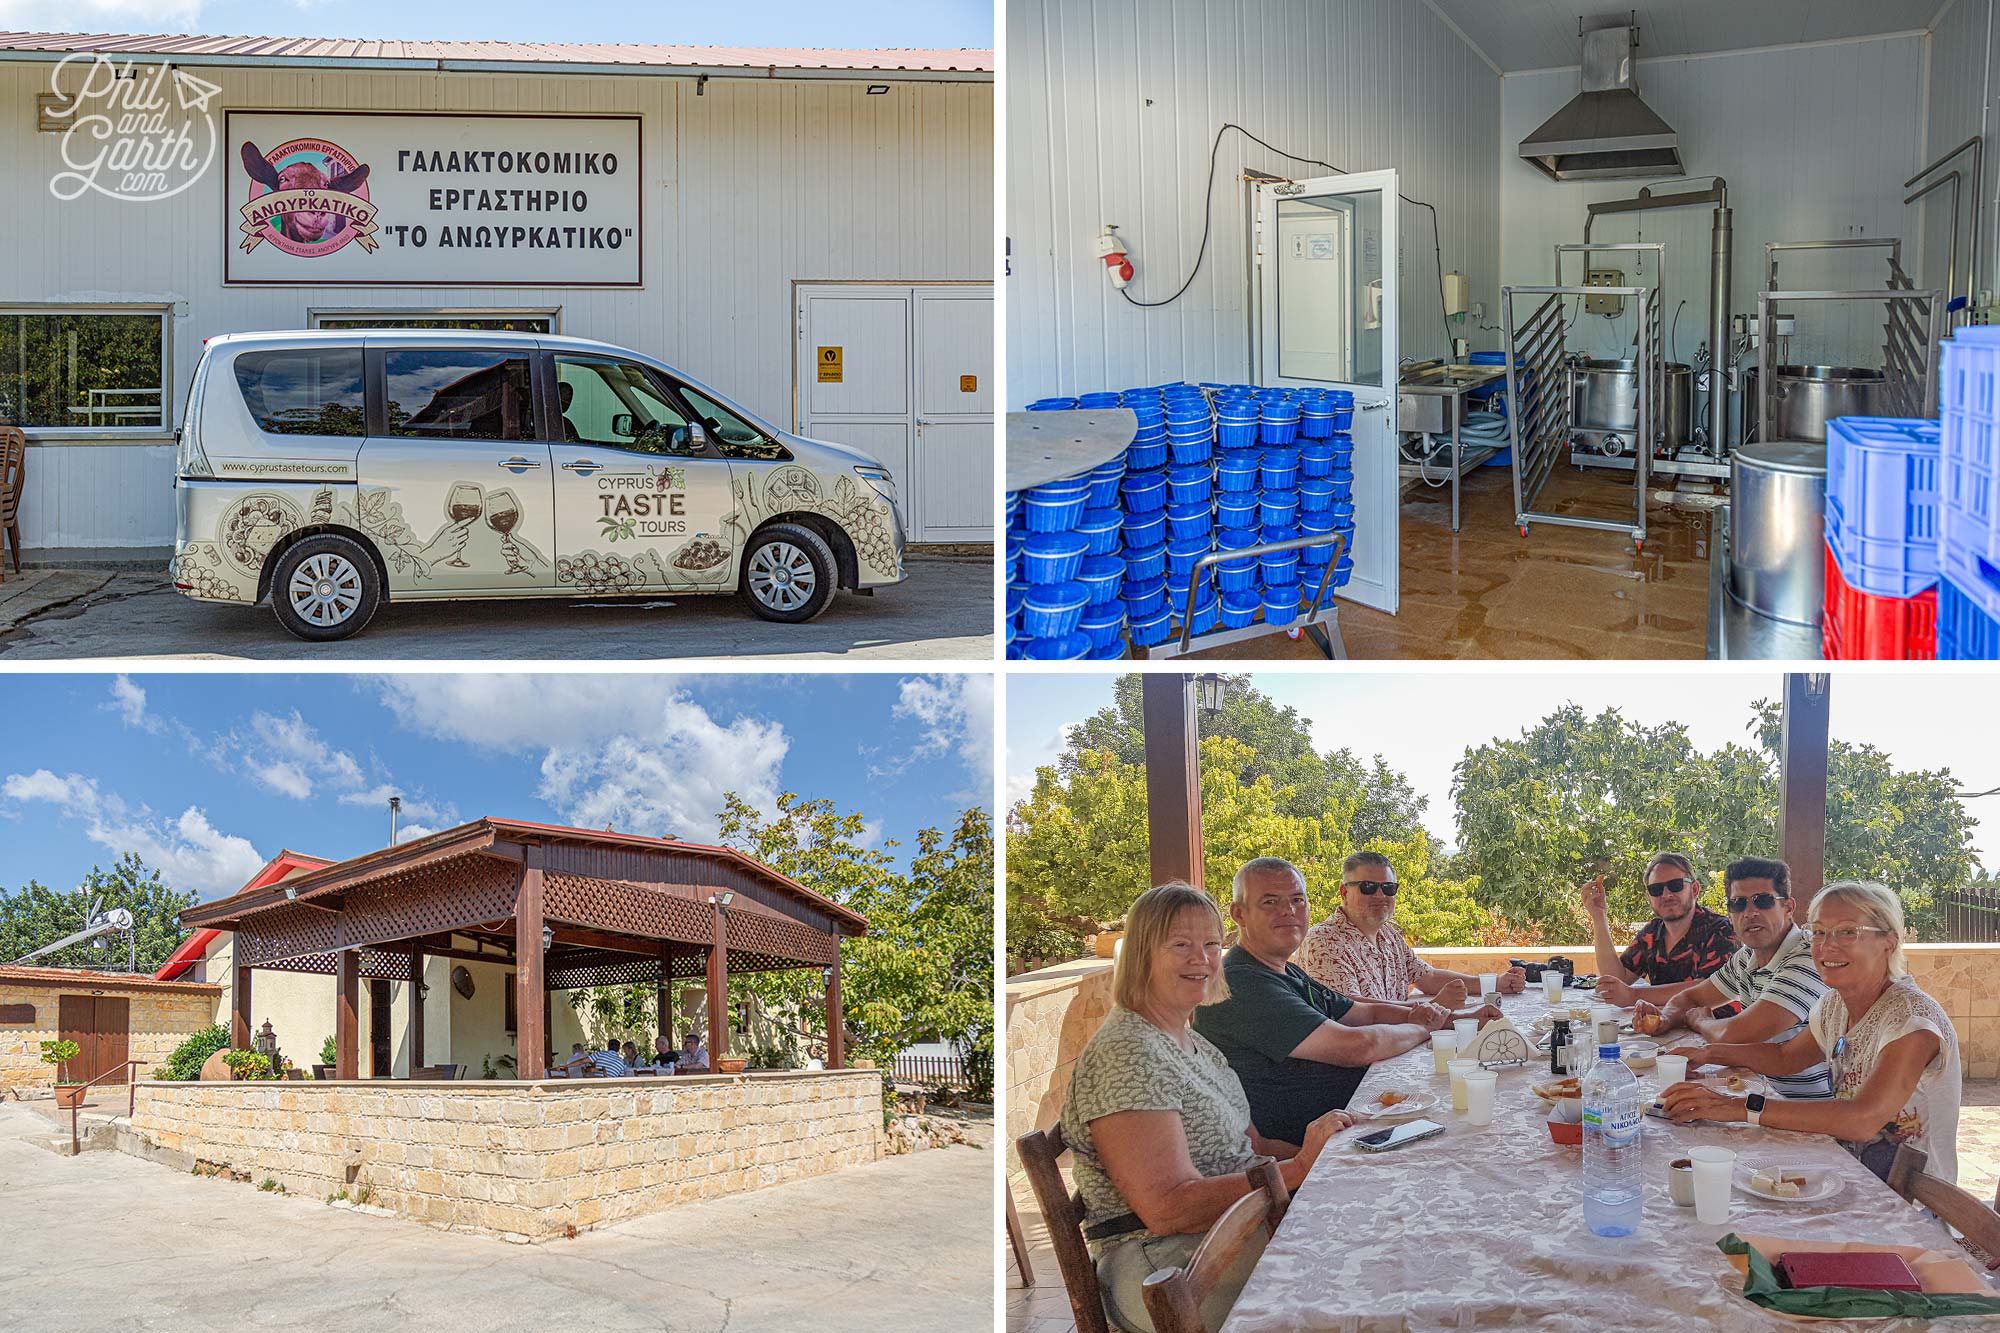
x=1668, y=886
x=1370, y=887
x=1763, y=902
x=1843, y=935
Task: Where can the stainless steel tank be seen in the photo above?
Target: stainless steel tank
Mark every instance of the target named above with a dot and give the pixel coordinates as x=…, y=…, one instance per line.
x=1777, y=508
x=1606, y=404
x=1807, y=397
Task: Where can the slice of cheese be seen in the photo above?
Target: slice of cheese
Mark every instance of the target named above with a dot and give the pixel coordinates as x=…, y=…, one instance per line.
x=1762, y=1181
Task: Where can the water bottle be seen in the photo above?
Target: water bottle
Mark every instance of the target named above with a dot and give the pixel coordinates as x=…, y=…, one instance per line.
x=1614, y=1182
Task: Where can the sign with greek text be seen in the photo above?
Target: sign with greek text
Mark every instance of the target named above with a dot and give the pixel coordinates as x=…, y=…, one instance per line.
x=358, y=199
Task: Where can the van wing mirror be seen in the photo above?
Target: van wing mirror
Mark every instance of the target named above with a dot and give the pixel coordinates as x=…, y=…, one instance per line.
x=697, y=434
x=621, y=426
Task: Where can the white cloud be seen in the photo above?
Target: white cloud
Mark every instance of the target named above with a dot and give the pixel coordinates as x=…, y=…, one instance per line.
x=412, y=832
x=956, y=713
x=101, y=15
x=188, y=851
x=414, y=807
x=668, y=773
x=129, y=702
x=871, y=833
x=517, y=713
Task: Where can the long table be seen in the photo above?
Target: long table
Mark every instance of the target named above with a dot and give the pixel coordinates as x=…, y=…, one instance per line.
x=1482, y=1227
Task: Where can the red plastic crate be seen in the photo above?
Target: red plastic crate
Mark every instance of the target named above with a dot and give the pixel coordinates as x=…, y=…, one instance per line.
x=1859, y=627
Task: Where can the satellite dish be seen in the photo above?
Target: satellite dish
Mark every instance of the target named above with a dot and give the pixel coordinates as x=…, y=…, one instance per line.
x=461, y=981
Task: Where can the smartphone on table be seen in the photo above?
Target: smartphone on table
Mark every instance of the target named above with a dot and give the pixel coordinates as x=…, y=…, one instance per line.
x=1398, y=1136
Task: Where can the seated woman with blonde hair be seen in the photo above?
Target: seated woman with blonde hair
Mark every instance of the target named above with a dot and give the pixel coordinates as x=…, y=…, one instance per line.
x=1893, y=1051
x=1157, y=1119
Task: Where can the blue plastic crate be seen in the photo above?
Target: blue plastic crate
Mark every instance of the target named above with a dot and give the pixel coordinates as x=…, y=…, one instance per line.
x=1882, y=502
x=1969, y=404
x=1964, y=632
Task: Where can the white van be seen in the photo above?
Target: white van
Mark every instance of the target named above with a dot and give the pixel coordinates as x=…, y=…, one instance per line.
x=333, y=470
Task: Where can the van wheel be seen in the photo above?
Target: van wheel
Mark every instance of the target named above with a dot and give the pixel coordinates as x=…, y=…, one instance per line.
x=325, y=588
x=789, y=574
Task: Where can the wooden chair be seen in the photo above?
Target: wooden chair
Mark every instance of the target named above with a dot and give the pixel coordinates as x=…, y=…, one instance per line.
x=1174, y=1295
x=13, y=479
x=1062, y=1212
x=1978, y=1223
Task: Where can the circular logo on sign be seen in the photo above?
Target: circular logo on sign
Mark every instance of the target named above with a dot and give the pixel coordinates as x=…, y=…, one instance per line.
x=252, y=526
x=308, y=197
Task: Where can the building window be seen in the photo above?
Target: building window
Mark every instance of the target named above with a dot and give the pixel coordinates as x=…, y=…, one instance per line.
x=83, y=370
x=484, y=321
x=453, y=394
x=309, y=391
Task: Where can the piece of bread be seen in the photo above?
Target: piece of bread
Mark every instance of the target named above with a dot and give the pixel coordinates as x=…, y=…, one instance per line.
x=1646, y=1024
x=1762, y=1181
x=1786, y=1189
x=1392, y=1098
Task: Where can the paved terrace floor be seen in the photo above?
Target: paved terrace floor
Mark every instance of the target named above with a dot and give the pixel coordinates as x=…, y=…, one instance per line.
x=1044, y=1308
x=109, y=1241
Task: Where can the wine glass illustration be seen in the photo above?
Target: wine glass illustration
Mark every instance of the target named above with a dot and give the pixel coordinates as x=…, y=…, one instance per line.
x=464, y=504
x=503, y=515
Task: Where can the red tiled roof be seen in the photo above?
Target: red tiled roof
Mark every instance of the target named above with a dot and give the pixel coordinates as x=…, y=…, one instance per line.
x=80, y=976
x=926, y=60
x=195, y=946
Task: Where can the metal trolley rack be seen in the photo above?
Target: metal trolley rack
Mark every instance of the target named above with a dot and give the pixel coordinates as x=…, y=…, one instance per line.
x=1910, y=349
x=1320, y=622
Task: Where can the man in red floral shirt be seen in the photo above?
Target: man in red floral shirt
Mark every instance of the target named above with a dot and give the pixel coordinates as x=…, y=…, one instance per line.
x=1683, y=943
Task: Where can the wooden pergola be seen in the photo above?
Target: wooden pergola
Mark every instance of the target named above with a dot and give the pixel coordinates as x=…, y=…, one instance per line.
x=566, y=908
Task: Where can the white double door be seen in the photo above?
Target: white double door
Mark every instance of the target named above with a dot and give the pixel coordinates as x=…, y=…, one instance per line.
x=905, y=372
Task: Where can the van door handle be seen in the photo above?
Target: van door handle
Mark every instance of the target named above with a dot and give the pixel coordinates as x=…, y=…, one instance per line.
x=583, y=467
x=517, y=465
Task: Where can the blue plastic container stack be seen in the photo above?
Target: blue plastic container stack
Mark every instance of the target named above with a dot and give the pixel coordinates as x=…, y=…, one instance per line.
x=1882, y=503
x=1064, y=569
x=1969, y=540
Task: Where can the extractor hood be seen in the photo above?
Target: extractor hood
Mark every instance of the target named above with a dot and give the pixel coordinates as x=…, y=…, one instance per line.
x=1605, y=131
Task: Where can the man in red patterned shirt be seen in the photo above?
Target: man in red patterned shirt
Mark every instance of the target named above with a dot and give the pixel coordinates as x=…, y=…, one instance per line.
x=1683, y=943
x=1358, y=951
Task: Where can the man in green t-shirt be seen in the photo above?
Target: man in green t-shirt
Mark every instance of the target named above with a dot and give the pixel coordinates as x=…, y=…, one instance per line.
x=1299, y=1048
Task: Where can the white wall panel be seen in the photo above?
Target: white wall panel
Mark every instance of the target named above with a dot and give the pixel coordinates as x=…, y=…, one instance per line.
x=1815, y=142
x=1958, y=66
x=748, y=187
x=1112, y=108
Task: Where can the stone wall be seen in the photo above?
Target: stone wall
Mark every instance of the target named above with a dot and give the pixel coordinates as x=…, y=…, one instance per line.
x=161, y=1018
x=1053, y=1012
x=525, y=1159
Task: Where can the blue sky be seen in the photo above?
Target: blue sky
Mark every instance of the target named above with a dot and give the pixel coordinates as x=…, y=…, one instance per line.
x=1422, y=722
x=208, y=776
x=852, y=23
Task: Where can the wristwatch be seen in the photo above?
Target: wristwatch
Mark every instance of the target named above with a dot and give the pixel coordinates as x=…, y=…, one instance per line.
x=1753, y=1106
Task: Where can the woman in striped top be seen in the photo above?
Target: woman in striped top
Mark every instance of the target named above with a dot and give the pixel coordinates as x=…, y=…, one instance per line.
x=1771, y=977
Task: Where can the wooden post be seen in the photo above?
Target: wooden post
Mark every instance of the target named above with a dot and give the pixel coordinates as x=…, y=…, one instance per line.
x=531, y=1045
x=416, y=1008
x=1802, y=762
x=239, y=1011
x=663, y=995
x=836, y=1023
x=1173, y=778
x=718, y=990
x=346, y=1015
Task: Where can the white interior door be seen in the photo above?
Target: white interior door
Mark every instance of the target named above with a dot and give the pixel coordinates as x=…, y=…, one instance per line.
x=953, y=486
x=1325, y=251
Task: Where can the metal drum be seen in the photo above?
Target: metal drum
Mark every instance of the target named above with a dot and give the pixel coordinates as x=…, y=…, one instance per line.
x=1606, y=398
x=1808, y=397
x=1777, y=519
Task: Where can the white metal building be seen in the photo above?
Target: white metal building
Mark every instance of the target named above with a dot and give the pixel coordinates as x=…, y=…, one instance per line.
x=744, y=212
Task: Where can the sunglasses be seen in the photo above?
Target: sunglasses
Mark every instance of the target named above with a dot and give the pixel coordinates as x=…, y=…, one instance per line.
x=1370, y=887
x=1668, y=886
x=1763, y=902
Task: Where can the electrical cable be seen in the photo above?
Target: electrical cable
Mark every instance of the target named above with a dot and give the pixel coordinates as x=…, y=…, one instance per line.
x=1208, y=222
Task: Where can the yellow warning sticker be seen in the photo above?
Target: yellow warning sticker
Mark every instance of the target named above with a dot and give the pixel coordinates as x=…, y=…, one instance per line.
x=968, y=384
x=829, y=365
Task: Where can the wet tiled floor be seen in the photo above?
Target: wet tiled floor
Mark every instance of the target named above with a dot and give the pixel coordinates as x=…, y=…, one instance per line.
x=1558, y=593
x=1044, y=1308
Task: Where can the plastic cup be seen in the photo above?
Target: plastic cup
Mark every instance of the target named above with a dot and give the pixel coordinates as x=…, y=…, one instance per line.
x=1489, y=984
x=1552, y=986
x=1444, y=1045
x=1467, y=1029
x=1671, y=1069
x=1712, y=1167
x=1479, y=1086
x=1458, y=1070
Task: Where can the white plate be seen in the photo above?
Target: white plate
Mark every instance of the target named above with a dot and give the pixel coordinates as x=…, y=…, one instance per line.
x=1821, y=1183
x=1415, y=1104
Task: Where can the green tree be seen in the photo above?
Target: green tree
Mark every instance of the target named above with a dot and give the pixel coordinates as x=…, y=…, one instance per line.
x=35, y=915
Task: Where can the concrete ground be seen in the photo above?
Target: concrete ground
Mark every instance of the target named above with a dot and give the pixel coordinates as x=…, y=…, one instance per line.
x=944, y=610
x=105, y=1240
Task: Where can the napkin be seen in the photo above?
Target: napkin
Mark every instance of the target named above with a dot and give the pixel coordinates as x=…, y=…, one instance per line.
x=1950, y=1285
x=1485, y=1047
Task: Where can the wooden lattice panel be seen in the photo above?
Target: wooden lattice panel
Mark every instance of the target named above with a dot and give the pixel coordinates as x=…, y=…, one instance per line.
x=385, y=966
x=629, y=909
x=289, y=931
x=777, y=937
x=429, y=899
x=613, y=971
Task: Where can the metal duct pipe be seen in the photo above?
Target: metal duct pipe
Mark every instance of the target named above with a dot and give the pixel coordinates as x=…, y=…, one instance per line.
x=1721, y=255
x=1977, y=144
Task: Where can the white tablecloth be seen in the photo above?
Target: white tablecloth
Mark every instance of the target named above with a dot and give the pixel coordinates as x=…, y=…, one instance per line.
x=1482, y=1227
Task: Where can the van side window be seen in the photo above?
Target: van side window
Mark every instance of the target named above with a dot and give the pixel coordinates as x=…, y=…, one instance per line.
x=450, y=394
x=307, y=391
x=734, y=437
x=615, y=404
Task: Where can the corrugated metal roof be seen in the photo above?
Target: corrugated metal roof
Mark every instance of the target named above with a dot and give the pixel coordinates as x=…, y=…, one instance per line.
x=85, y=977
x=636, y=54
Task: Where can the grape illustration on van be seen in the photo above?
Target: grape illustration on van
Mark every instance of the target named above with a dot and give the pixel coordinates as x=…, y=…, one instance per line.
x=332, y=471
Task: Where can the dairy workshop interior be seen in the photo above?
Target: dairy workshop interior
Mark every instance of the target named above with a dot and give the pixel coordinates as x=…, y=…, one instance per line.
x=1805, y=185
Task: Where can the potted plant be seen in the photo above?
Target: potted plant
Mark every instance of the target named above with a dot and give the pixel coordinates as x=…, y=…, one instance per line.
x=247, y=1064
x=732, y=1064
x=324, y=1069
x=58, y=1054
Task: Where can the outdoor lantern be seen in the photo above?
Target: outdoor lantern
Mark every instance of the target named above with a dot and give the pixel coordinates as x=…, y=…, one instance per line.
x=1817, y=682
x=1208, y=693
x=548, y=938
